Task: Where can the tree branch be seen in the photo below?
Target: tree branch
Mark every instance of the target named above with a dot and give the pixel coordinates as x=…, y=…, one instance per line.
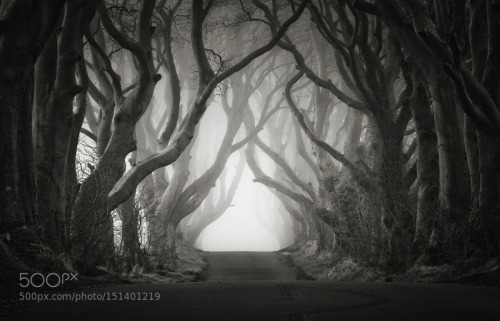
x=360, y=177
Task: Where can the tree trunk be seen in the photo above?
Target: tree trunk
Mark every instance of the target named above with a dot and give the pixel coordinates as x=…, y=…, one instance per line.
x=427, y=168
x=51, y=132
x=55, y=89
x=454, y=196
x=20, y=45
x=394, y=195
x=72, y=185
x=164, y=255
x=92, y=226
x=375, y=209
x=194, y=230
x=489, y=191
x=472, y=151
x=129, y=227
x=25, y=160
x=353, y=135
x=92, y=231
x=130, y=236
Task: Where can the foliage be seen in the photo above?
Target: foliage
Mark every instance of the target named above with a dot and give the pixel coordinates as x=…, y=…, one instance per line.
x=464, y=243
x=350, y=270
x=349, y=218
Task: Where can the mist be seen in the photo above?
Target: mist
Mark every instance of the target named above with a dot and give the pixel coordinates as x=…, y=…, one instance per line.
x=139, y=135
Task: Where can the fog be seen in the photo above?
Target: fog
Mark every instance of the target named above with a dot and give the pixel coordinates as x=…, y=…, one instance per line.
x=362, y=132
x=254, y=216
x=239, y=228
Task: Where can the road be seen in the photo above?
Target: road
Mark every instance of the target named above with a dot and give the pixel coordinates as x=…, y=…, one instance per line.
x=239, y=288
x=247, y=266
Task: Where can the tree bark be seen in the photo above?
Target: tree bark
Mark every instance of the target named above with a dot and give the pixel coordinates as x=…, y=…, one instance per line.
x=55, y=89
x=472, y=151
x=25, y=158
x=454, y=195
x=92, y=233
x=130, y=234
x=394, y=195
x=427, y=168
x=20, y=45
x=489, y=191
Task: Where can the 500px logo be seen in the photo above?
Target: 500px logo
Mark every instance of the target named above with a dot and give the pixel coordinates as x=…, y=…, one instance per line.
x=52, y=280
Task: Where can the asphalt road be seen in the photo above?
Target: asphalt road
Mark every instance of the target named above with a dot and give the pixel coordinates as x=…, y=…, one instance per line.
x=247, y=266
x=239, y=288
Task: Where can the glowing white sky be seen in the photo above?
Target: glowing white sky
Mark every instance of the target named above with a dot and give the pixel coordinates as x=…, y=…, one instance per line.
x=239, y=229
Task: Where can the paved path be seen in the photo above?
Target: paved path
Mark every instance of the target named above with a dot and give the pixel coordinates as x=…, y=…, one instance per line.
x=239, y=296
x=247, y=266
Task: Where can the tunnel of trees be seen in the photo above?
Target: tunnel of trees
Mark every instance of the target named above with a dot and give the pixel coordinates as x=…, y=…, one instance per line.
x=126, y=126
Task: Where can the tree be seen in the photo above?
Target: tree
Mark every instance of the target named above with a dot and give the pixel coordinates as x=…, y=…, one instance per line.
x=55, y=122
x=181, y=199
x=208, y=81
x=20, y=47
x=369, y=78
x=212, y=211
x=88, y=242
x=455, y=52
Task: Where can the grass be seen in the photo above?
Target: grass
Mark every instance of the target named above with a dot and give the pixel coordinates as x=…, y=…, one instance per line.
x=326, y=266
x=191, y=267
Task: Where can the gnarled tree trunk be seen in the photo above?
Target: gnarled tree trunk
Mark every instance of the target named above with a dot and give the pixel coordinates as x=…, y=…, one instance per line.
x=20, y=46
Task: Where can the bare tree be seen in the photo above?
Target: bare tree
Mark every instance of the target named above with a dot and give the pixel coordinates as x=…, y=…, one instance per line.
x=54, y=119
x=91, y=243
x=208, y=81
x=370, y=79
x=21, y=44
x=452, y=46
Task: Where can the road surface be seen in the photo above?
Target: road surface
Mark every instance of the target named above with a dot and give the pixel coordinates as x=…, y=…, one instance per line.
x=239, y=288
x=247, y=266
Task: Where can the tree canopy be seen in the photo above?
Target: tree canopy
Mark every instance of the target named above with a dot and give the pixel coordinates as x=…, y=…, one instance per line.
x=374, y=124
